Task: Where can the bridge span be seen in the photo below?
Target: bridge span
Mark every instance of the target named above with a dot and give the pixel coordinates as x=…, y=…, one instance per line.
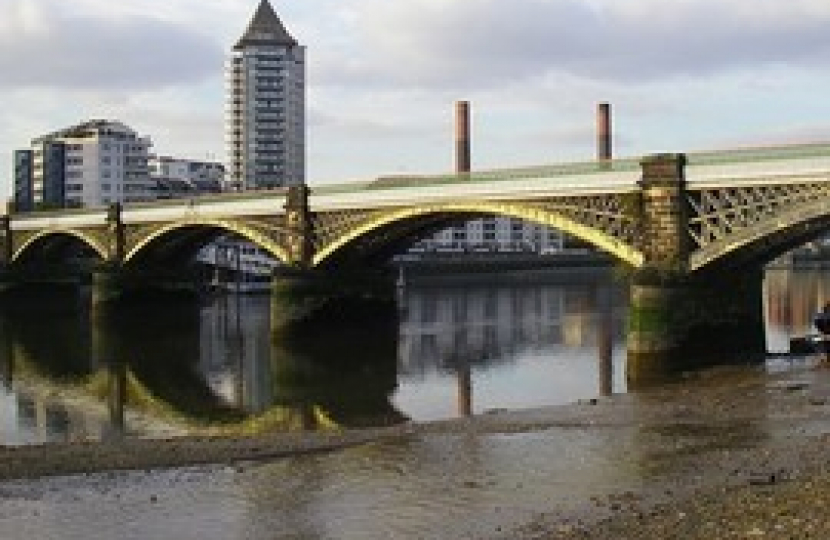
x=728, y=200
x=694, y=227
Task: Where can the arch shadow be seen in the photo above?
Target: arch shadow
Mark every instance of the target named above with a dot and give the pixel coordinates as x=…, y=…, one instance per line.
x=53, y=243
x=181, y=240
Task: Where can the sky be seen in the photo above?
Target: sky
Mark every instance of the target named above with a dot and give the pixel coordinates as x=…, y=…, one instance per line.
x=383, y=76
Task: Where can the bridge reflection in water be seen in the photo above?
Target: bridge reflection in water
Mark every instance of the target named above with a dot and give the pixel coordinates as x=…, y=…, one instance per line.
x=457, y=349
x=213, y=365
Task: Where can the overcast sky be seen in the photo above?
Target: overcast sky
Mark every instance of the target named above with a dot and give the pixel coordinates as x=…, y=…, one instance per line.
x=383, y=76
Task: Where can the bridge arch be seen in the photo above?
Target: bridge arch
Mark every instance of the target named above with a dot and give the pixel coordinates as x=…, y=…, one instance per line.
x=89, y=240
x=534, y=214
x=241, y=228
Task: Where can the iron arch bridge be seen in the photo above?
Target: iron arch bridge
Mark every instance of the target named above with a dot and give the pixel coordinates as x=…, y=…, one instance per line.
x=700, y=211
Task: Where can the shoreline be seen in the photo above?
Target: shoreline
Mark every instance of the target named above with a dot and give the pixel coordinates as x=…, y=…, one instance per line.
x=728, y=447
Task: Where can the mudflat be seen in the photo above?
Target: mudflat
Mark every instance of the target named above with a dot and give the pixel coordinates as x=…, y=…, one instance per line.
x=726, y=453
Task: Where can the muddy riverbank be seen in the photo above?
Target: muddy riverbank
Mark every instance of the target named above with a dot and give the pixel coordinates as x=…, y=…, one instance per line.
x=728, y=453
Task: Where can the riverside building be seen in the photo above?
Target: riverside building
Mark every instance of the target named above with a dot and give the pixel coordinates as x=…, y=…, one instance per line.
x=94, y=163
x=493, y=234
x=265, y=113
x=177, y=177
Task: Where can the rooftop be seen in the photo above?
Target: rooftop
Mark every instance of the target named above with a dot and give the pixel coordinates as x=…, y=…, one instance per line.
x=89, y=128
x=265, y=28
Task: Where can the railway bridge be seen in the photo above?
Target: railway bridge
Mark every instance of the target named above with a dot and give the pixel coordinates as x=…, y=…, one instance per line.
x=693, y=232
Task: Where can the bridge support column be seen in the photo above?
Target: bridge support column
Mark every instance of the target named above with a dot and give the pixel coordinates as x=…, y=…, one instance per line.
x=7, y=280
x=679, y=320
x=6, y=353
x=298, y=220
x=687, y=324
x=108, y=278
x=107, y=286
x=302, y=298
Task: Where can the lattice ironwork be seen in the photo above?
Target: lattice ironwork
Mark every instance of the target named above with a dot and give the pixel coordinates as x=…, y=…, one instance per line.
x=718, y=213
x=725, y=219
x=95, y=237
x=269, y=233
x=327, y=227
x=609, y=221
x=615, y=214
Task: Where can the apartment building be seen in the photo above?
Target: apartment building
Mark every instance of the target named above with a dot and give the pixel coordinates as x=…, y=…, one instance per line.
x=94, y=163
x=493, y=234
x=265, y=111
x=177, y=177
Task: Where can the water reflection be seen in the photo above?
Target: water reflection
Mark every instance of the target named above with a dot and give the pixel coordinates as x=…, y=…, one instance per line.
x=6, y=354
x=116, y=397
x=189, y=364
x=510, y=345
x=792, y=299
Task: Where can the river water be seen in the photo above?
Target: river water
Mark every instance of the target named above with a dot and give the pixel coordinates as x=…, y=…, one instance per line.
x=462, y=347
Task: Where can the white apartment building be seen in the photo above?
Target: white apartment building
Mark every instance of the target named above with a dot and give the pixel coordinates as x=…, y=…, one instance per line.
x=265, y=111
x=496, y=234
x=238, y=265
x=178, y=177
x=103, y=161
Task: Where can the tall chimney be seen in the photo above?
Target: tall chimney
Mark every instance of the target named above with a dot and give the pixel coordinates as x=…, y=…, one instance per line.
x=604, y=152
x=462, y=137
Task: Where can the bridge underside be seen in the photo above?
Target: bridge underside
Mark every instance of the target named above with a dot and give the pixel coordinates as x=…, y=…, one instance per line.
x=605, y=222
x=376, y=246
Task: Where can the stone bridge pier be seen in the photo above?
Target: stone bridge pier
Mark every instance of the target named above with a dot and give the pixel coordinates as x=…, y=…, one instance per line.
x=681, y=319
x=304, y=297
x=6, y=243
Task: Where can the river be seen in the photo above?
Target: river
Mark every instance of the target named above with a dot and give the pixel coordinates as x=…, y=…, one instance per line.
x=460, y=348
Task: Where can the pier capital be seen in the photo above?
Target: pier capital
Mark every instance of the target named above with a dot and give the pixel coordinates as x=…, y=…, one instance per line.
x=663, y=170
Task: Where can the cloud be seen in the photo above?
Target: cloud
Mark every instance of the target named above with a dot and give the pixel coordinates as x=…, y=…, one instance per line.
x=441, y=43
x=44, y=45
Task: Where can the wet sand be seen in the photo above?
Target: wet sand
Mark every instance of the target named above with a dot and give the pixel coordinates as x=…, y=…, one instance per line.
x=728, y=453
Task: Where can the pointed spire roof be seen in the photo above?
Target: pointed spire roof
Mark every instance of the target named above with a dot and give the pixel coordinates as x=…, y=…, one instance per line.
x=265, y=28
